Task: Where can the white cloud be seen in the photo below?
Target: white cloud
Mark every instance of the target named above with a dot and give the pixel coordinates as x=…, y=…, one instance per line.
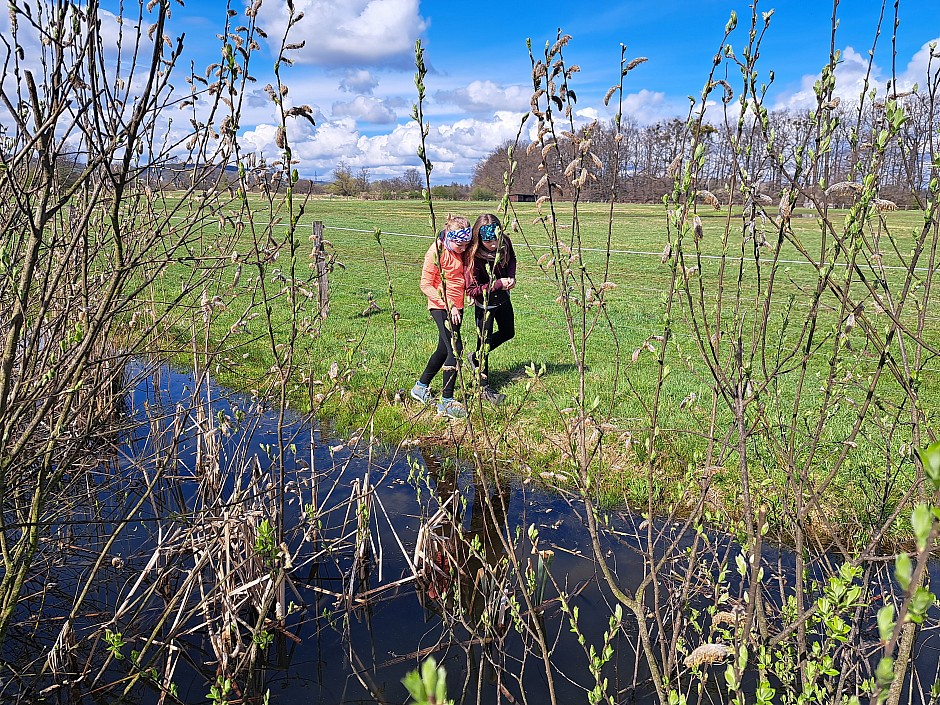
x=454, y=148
x=366, y=109
x=348, y=33
x=485, y=97
x=850, y=79
x=647, y=107
x=917, y=67
x=587, y=114
x=850, y=83
x=358, y=81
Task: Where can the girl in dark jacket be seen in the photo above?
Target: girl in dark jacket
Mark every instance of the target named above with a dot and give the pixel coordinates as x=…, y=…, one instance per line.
x=489, y=281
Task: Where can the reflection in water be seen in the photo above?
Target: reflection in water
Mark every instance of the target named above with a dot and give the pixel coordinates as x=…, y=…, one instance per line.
x=464, y=571
x=218, y=550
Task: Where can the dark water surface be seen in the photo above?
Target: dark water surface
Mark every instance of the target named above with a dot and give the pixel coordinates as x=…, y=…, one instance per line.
x=336, y=646
x=355, y=627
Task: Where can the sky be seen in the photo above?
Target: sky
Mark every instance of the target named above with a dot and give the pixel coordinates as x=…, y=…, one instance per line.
x=356, y=68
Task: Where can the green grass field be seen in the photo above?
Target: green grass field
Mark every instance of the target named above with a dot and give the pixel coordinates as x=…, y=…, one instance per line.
x=384, y=354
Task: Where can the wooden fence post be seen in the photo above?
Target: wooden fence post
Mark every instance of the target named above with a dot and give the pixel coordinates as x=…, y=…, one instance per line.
x=319, y=259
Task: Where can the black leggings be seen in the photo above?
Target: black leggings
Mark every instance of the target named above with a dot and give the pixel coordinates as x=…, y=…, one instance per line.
x=449, y=347
x=505, y=321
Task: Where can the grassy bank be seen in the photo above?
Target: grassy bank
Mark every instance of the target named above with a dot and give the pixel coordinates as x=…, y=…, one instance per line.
x=378, y=336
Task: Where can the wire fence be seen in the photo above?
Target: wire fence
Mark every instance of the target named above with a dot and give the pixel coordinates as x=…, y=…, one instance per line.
x=631, y=280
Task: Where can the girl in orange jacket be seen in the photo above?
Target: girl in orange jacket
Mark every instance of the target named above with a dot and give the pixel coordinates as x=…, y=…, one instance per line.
x=443, y=282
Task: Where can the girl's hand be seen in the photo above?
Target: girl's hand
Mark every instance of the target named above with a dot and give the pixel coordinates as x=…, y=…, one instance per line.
x=455, y=315
x=508, y=282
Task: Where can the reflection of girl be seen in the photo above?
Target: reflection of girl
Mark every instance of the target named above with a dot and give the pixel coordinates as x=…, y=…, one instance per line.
x=489, y=281
x=442, y=276
x=475, y=555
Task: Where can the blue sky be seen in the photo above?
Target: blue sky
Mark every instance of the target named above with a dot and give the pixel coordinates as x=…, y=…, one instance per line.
x=357, y=69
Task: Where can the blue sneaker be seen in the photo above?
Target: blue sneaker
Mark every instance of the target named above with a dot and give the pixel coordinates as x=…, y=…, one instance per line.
x=420, y=392
x=452, y=408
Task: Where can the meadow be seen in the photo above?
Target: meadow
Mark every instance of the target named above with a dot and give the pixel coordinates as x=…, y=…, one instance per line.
x=353, y=368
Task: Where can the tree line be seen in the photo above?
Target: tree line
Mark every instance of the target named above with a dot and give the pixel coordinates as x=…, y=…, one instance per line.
x=642, y=169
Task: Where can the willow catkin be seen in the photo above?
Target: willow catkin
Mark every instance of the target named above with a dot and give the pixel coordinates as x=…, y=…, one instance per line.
x=634, y=63
x=559, y=44
x=572, y=167
x=707, y=654
x=674, y=166
x=724, y=617
x=709, y=198
x=785, y=208
x=697, y=228
x=844, y=188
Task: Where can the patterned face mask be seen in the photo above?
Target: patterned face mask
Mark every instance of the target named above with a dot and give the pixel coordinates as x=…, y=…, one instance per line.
x=488, y=232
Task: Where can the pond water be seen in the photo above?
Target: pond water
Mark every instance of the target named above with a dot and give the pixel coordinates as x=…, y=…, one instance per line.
x=393, y=558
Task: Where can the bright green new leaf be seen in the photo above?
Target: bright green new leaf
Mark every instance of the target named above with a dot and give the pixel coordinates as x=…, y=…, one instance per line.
x=886, y=622
x=921, y=601
x=885, y=671
x=930, y=458
x=903, y=570
x=922, y=521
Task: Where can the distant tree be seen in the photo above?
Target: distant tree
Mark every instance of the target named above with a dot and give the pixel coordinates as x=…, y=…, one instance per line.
x=308, y=186
x=343, y=182
x=488, y=173
x=413, y=180
x=451, y=192
x=362, y=180
x=482, y=193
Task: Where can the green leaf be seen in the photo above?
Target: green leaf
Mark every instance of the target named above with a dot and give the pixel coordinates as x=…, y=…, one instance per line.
x=886, y=622
x=414, y=685
x=730, y=678
x=922, y=521
x=903, y=570
x=884, y=674
x=921, y=601
x=930, y=458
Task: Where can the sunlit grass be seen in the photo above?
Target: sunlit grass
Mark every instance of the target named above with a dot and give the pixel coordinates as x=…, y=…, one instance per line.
x=532, y=421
